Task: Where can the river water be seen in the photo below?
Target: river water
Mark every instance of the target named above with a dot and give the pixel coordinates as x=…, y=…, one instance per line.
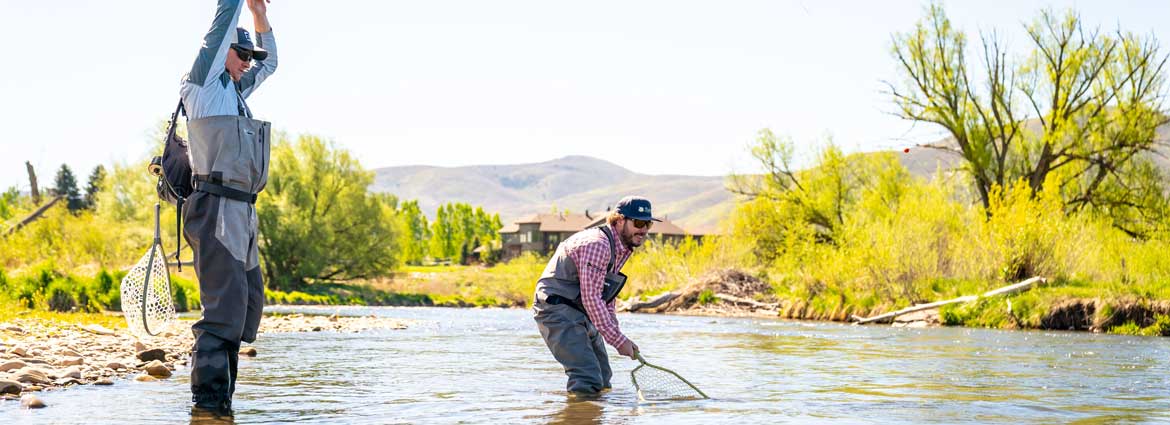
x=490, y=366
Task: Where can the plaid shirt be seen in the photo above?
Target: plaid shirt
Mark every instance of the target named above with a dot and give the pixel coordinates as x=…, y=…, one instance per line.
x=589, y=251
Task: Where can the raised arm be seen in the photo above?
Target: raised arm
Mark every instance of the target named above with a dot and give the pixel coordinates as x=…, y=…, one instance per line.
x=210, y=62
x=264, y=40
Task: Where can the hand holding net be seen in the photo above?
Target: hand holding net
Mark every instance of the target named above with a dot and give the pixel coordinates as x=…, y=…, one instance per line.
x=146, y=291
x=659, y=383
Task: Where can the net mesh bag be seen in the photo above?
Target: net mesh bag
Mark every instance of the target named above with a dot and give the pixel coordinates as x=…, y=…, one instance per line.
x=146, y=293
x=659, y=383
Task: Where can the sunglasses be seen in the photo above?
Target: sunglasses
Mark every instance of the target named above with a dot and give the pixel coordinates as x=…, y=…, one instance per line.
x=642, y=224
x=244, y=54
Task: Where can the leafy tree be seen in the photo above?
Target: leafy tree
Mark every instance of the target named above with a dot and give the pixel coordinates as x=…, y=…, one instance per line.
x=318, y=223
x=96, y=180
x=65, y=185
x=416, y=233
x=459, y=229
x=1082, y=109
x=816, y=201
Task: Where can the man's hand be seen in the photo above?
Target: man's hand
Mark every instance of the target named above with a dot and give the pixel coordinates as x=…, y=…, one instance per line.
x=258, y=6
x=259, y=10
x=628, y=349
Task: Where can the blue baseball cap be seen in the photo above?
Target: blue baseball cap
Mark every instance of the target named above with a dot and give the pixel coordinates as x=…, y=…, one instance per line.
x=244, y=41
x=635, y=207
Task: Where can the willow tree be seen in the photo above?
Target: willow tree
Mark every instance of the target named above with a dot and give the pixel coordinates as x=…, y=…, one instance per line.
x=318, y=223
x=1079, y=113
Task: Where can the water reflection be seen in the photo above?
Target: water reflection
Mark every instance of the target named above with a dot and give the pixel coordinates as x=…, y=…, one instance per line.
x=579, y=411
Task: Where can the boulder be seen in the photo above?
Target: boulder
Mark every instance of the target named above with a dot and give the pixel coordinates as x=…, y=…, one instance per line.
x=152, y=354
x=72, y=372
x=30, y=401
x=115, y=366
x=157, y=369
x=104, y=381
x=12, y=365
x=31, y=376
x=10, y=387
x=248, y=351
x=71, y=361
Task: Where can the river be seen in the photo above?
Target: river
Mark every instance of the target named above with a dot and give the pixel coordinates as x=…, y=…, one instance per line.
x=490, y=366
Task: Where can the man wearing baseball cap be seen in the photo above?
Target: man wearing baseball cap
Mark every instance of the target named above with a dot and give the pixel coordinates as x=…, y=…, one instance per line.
x=229, y=152
x=575, y=298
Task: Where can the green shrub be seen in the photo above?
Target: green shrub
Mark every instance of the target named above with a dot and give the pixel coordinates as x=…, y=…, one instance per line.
x=61, y=296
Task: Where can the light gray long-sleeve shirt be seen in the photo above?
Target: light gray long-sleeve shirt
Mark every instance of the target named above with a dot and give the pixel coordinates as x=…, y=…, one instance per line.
x=208, y=90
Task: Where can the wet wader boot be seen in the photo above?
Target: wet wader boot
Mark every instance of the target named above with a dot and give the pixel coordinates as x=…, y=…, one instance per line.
x=229, y=160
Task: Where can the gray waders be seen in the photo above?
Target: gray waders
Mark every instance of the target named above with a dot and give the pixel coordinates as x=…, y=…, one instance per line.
x=229, y=160
x=566, y=329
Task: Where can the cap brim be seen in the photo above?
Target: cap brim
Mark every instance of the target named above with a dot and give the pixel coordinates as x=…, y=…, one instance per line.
x=259, y=54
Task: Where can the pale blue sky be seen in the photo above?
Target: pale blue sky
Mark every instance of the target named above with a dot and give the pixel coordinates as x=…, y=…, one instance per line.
x=663, y=87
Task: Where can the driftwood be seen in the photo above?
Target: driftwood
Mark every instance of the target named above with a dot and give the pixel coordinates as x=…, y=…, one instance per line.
x=650, y=303
x=1022, y=286
x=32, y=217
x=748, y=301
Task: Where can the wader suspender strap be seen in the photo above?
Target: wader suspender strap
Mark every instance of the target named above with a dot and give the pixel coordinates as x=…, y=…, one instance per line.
x=577, y=304
x=240, y=104
x=612, y=249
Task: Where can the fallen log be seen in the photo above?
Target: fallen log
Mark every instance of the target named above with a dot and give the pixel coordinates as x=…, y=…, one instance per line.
x=1010, y=289
x=650, y=303
x=748, y=301
x=32, y=217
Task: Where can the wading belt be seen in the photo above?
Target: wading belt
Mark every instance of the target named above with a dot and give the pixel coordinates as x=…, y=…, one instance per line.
x=202, y=184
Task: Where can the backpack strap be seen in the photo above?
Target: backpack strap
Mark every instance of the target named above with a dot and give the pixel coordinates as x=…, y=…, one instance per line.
x=178, y=205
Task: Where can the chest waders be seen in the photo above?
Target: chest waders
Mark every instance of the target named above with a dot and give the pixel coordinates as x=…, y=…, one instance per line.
x=229, y=165
x=561, y=284
x=565, y=327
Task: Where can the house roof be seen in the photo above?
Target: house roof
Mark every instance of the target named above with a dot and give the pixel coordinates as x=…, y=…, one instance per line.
x=551, y=223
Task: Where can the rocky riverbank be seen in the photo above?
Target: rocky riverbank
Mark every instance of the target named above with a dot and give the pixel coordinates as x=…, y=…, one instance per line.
x=38, y=355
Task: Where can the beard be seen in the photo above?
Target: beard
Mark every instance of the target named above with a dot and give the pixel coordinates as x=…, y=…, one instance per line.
x=628, y=239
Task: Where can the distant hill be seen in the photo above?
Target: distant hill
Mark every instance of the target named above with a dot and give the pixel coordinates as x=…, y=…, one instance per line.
x=575, y=183
x=923, y=161
x=580, y=183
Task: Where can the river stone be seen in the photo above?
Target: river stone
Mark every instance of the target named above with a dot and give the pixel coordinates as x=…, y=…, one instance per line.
x=152, y=354
x=68, y=352
x=156, y=369
x=71, y=361
x=104, y=381
x=30, y=401
x=97, y=329
x=115, y=366
x=18, y=351
x=138, y=346
x=248, y=351
x=13, y=329
x=72, y=372
x=31, y=376
x=12, y=365
x=10, y=387
x=144, y=378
